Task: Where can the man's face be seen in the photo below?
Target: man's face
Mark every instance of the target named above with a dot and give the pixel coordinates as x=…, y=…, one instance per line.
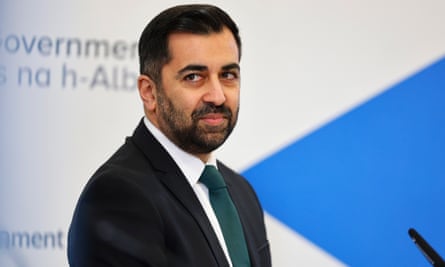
x=197, y=106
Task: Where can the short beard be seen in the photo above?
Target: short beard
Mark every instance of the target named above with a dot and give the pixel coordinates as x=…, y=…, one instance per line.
x=185, y=131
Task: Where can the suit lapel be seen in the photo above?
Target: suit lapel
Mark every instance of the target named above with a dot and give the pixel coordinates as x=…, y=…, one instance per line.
x=187, y=197
x=172, y=177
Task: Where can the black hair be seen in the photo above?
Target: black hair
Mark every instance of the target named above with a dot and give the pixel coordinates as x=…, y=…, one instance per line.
x=195, y=18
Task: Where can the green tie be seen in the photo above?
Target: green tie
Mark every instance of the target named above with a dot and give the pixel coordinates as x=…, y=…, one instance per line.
x=227, y=216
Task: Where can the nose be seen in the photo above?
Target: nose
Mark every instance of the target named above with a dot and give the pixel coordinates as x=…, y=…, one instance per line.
x=215, y=92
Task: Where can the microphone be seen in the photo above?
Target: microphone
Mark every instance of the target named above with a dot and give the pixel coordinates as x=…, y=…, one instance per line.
x=429, y=253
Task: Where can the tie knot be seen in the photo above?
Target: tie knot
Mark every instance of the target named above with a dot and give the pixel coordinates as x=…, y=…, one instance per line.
x=212, y=178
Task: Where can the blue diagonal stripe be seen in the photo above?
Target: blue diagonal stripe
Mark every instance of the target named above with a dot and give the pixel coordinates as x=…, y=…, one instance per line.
x=356, y=185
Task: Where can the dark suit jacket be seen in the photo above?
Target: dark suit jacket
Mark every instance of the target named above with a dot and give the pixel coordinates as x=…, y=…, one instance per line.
x=139, y=210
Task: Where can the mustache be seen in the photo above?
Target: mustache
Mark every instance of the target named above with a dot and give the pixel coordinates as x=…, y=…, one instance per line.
x=211, y=108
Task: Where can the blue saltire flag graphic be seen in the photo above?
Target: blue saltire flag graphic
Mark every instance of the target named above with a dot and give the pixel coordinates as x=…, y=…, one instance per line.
x=355, y=186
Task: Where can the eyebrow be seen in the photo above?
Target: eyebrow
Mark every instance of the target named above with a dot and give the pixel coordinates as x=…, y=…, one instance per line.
x=197, y=67
x=192, y=67
x=231, y=66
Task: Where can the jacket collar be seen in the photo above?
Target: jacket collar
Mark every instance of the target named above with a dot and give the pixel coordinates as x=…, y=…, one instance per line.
x=175, y=181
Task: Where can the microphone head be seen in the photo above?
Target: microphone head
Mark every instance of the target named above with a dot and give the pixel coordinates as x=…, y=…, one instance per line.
x=430, y=254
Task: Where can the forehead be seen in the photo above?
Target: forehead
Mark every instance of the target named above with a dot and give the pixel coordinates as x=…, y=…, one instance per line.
x=188, y=48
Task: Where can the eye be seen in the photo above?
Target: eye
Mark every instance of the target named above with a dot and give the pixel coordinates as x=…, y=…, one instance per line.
x=229, y=75
x=193, y=77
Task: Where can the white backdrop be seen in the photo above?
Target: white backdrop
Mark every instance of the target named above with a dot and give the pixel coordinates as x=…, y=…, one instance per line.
x=65, y=106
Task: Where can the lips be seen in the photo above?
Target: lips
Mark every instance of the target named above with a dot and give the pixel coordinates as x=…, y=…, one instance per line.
x=213, y=119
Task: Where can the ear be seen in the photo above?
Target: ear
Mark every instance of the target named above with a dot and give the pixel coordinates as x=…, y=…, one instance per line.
x=147, y=92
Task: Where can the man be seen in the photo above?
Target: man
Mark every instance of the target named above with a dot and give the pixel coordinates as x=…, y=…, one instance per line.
x=147, y=205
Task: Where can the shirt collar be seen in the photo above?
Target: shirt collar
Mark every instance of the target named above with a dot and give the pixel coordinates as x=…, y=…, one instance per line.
x=190, y=165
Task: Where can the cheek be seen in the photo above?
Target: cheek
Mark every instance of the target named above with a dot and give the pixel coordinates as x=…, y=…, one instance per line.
x=232, y=99
x=186, y=104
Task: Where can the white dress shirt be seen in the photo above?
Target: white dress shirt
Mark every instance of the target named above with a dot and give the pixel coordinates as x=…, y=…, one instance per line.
x=192, y=168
